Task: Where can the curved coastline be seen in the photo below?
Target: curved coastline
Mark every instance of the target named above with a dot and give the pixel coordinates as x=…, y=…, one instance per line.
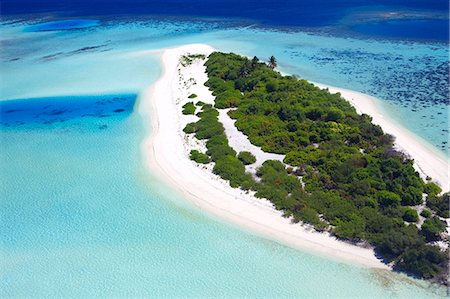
x=164, y=155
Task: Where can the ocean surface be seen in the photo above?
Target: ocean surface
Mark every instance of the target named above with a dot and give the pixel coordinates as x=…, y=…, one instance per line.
x=81, y=217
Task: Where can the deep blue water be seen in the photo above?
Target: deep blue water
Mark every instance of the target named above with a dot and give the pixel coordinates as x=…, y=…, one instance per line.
x=46, y=111
x=291, y=13
x=413, y=29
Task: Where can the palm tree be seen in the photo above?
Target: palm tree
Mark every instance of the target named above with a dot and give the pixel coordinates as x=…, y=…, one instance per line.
x=255, y=61
x=272, y=62
x=245, y=70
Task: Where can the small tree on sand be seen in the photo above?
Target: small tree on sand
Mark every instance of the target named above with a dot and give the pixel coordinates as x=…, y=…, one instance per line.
x=272, y=62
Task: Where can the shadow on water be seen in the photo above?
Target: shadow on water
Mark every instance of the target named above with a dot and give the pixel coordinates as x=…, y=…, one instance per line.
x=48, y=111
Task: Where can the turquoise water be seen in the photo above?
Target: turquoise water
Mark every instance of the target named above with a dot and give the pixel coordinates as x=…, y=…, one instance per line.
x=63, y=25
x=83, y=218
x=411, y=77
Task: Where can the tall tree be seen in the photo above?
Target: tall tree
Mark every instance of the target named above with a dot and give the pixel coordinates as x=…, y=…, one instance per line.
x=255, y=61
x=272, y=62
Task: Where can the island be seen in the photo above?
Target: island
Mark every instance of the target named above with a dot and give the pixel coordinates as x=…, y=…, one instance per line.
x=294, y=162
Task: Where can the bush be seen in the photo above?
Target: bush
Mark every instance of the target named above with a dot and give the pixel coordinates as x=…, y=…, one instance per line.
x=412, y=196
x=218, y=152
x=387, y=198
x=432, y=189
x=394, y=241
x=310, y=216
x=271, y=86
x=231, y=169
x=199, y=157
x=425, y=261
x=432, y=228
x=200, y=103
x=228, y=99
x=190, y=128
x=335, y=114
x=189, y=108
x=353, y=229
x=192, y=96
x=247, y=158
x=208, y=125
x=410, y=215
x=440, y=204
x=426, y=213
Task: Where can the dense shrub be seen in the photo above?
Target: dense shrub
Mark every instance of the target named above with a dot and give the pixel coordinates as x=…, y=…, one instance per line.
x=231, y=169
x=387, y=198
x=192, y=96
x=218, y=152
x=189, y=128
x=227, y=166
x=426, y=213
x=189, y=108
x=247, y=158
x=440, y=204
x=208, y=125
x=432, y=189
x=199, y=157
x=410, y=215
x=425, y=261
x=432, y=228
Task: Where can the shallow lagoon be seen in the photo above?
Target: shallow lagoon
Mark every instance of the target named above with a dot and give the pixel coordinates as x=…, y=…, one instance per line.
x=84, y=219
x=120, y=56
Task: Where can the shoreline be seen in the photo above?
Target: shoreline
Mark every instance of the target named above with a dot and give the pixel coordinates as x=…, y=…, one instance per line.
x=164, y=154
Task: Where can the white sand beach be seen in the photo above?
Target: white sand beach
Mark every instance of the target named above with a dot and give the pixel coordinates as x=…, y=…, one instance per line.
x=166, y=155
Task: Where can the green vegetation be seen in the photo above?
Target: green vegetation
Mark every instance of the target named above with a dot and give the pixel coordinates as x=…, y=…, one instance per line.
x=186, y=60
x=432, y=228
x=199, y=157
x=227, y=166
x=192, y=96
x=231, y=169
x=200, y=103
x=410, y=215
x=439, y=204
x=432, y=189
x=189, y=108
x=272, y=62
x=355, y=183
x=247, y=158
x=426, y=213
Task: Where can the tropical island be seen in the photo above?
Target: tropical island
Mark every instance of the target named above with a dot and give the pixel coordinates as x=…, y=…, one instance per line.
x=295, y=158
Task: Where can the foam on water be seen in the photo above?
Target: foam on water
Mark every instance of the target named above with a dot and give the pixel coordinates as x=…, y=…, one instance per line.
x=83, y=218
